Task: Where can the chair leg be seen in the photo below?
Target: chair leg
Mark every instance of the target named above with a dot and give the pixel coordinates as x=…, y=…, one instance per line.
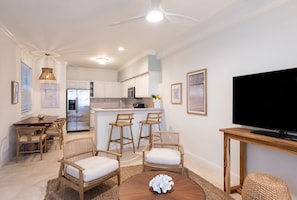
x=121, y=140
x=60, y=141
x=45, y=145
x=145, y=137
x=132, y=138
x=17, y=153
x=140, y=135
x=110, y=135
x=41, y=148
x=81, y=194
x=150, y=134
x=119, y=179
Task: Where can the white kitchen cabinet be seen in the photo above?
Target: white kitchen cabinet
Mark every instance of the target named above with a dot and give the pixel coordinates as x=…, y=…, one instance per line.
x=125, y=85
x=112, y=89
x=147, y=84
x=142, y=85
x=99, y=91
x=78, y=84
x=107, y=89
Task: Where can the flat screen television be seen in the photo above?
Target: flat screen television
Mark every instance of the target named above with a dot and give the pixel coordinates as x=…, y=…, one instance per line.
x=266, y=100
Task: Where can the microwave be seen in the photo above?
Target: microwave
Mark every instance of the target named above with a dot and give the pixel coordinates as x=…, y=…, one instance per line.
x=131, y=92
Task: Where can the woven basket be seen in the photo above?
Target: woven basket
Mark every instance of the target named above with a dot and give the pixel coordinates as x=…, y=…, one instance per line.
x=265, y=187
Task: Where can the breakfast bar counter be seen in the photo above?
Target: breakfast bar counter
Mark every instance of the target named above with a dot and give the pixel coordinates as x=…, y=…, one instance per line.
x=103, y=116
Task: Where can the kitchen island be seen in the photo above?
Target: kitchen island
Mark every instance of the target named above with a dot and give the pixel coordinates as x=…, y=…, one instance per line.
x=103, y=116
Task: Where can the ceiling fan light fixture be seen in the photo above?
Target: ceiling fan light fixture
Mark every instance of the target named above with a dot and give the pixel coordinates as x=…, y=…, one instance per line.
x=154, y=16
x=103, y=60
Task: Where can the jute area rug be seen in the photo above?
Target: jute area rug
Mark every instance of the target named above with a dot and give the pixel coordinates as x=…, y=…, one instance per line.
x=109, y=189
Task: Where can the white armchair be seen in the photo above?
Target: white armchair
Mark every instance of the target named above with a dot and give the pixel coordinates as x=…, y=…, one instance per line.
x=164, y=152
x=82, y=168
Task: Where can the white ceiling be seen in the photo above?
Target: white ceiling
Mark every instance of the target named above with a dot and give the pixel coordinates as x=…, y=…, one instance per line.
x=79, y=30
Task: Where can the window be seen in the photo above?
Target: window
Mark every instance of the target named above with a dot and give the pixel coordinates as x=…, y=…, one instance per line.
x=26, y=89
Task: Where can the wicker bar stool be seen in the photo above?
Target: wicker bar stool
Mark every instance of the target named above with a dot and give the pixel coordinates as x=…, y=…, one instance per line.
x=151, y=119
x=122, y=120
x=265, y=187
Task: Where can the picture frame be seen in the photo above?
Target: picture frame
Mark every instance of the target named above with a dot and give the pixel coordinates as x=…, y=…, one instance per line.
x=176, y=93
x=196, y=92
x=49, y=95
x=14, y=92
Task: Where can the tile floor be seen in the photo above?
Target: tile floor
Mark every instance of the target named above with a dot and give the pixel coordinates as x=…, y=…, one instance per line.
x=28, y=178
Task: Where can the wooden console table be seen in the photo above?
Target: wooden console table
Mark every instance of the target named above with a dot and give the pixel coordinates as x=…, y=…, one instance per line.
x=245, y=136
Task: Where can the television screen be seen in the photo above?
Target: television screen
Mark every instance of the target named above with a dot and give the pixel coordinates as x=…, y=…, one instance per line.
x=266, y=100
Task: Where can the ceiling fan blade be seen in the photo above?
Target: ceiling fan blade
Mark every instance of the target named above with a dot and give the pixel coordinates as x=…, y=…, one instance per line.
x=182, y=19
x=124, y=21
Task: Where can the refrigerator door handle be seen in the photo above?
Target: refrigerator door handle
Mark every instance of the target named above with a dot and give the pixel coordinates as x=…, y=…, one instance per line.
x=76, y=105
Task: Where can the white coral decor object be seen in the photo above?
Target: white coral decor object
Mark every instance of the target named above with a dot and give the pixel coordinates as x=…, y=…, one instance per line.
x=161, y=183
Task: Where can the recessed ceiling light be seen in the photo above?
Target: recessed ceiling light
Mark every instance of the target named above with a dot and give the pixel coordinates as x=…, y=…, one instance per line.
x=102, y=60
x=121, y=48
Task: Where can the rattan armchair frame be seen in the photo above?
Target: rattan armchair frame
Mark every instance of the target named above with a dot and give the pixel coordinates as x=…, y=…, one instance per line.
x=76, y=149
x=159, y=141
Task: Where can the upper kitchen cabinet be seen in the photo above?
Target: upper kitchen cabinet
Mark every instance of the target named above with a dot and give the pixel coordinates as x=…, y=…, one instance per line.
x=144, y=73
x=112, y=90
x=104, y=89
x=78, y=84
x=99, y=89
x=147, y=84
x=127, y=84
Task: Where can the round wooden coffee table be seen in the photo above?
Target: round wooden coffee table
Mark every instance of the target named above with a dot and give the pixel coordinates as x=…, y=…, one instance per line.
x=137, y=187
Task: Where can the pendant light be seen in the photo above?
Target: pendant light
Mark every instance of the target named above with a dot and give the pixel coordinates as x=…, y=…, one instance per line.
x=47, y=73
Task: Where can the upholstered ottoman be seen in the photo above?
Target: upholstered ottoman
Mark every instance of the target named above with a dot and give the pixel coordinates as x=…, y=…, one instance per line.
x=260, y=186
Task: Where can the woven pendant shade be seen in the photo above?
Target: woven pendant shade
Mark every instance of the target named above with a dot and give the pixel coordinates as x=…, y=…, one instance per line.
x=47, y=75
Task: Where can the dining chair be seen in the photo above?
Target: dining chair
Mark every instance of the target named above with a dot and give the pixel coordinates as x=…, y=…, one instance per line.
x=164, y=152
x=55, y=131
x=30, y=139
x=82, y=167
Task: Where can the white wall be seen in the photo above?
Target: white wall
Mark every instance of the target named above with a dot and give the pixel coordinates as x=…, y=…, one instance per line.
x=9, y=71
x=11, y=57
x=91, y=74
x=59, y=70
x=263, y=43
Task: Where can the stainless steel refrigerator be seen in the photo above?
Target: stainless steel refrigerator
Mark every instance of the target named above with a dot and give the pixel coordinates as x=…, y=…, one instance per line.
x=78, y=110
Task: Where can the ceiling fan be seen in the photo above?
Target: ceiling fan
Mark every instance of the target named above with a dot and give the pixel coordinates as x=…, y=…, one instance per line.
x=156, y=13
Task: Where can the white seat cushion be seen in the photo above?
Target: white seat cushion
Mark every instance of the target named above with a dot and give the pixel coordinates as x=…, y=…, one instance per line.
x=95, y=167
x=163, y=156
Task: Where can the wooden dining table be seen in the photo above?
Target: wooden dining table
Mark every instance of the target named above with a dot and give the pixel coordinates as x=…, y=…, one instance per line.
x=35, y=121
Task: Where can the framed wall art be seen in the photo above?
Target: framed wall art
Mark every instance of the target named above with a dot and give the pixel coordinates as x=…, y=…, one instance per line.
x=50, y=95
x=14, y=92
x=176, y=93
x=196, y=92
